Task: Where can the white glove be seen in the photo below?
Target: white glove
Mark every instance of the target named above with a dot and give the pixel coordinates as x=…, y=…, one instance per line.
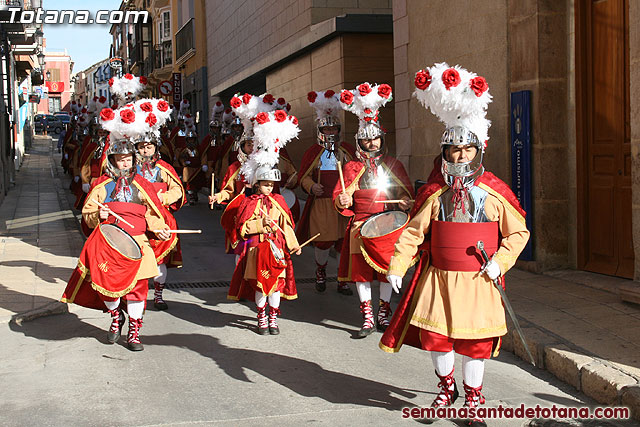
x=76, y=178
x=188, y=162
x=395, y=282
x=85, y=187
x=66, y=156
x=205, y=168
x=491, y=269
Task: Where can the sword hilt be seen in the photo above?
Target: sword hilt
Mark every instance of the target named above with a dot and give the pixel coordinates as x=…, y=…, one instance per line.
x=480, y=246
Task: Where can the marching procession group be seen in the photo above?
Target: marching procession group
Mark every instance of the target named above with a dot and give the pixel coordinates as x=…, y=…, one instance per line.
x=136, y=163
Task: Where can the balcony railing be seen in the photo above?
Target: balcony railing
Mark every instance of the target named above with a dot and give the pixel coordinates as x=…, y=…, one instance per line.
x=162, y=54
x=185, y=40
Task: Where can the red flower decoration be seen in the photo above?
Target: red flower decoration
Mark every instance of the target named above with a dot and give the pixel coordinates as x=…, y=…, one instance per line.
x=281, y=101
x=83, y=111
x=367, y=119
x=450, y=78
x=423, y=79
x=236, y=102
x=146, y=107
x=127, y=116
x=346, y=97
x=364, y=89
x=73, y=102
x=128, y=76
x=293, y=119
x=311, y=96
x=367, y=110
x=268, y=99
x=151, y=119
x=280, y=116
x=163, y=105
x=95, y=98
x=329, y=93
x=143, y=80
x=478, y=85
x=227, y=111
x=102, y=100
x=288, y=107
x=114, y=107
x=107, y=114
x=384, y=90
x=262, y=118
x=246, y=98
x=111, y=81
x=218, y=104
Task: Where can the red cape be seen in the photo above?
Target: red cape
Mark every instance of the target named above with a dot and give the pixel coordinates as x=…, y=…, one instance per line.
x=174, y=175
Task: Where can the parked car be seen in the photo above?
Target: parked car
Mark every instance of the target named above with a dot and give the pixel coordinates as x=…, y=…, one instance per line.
x=54, y=123
x=63, y=116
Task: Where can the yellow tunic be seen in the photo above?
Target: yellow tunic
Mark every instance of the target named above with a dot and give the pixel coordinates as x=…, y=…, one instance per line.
x=460, y=304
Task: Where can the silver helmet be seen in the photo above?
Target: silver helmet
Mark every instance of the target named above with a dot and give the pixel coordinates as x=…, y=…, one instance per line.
x=237, y=128
x=267, y=173
x=147, y=139
x=122, y=146
x=330, y=142
x=467, y=171
x=369, y=130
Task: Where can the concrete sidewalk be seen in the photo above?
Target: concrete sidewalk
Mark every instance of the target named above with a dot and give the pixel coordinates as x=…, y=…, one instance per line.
x=575, y=324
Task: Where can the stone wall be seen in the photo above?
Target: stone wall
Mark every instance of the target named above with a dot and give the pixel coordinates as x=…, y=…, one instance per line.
x=634, y=90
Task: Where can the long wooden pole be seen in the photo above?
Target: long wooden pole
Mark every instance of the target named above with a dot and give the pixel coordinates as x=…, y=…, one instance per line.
x=115, y=215
x=307, y=242
x=180, y=231
x=341, y=176
x=391, y=201
x=272, y=221
x=212, y=189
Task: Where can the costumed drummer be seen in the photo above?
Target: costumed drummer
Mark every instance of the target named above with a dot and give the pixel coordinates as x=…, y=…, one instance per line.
x=372, y=177
x=451, y=304
x=170, y=191
x=318, y=177
x=265, y=224
x=192, y=165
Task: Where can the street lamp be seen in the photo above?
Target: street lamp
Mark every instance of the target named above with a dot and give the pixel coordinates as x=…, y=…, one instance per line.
x=48, y=75
x=39, y=35
x=41, y=56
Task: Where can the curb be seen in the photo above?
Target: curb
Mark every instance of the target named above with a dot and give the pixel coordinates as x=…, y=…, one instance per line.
x=597, y=378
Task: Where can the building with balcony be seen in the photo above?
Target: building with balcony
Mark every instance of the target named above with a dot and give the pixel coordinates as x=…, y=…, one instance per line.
x=57, y=71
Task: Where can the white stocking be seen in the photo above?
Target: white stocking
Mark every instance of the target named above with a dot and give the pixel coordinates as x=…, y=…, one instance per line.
x=274, y=300
x=472, y=371
x=162, y=277
x=261, y=299
x=364, y=291
x=322, y=255
x=135, y=309
x=385, y=291
x=237, y=259
x=112, y=305
x=443, y=362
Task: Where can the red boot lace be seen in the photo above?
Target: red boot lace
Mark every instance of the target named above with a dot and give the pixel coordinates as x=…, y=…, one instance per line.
x=367, y=313
x=134, y=331
x=448, y=391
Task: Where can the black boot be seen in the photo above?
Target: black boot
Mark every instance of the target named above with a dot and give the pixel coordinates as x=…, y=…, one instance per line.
x=133, y=338
x=369, y=324
x=117, y=322
x=321, y=277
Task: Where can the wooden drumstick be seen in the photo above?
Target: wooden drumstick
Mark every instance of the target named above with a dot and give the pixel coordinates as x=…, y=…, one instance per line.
x=392, y=201
x=272, y=221
x=212, y=189
x=289, y=180
x=305, y=243
x=115, y=215
x=344, y=191
x=180, y=231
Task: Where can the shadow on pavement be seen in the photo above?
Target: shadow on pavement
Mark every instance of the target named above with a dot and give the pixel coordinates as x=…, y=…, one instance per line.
x=302, y=377
x=46, y=272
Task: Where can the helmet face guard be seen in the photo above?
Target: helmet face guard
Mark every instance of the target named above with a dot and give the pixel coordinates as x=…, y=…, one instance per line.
x=120, y=147
x=458, y=136
x=328, y=141
x=370, y=131
x=267, y=173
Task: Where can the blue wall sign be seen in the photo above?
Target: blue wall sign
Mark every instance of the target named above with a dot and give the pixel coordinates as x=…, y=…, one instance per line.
x=521, y=159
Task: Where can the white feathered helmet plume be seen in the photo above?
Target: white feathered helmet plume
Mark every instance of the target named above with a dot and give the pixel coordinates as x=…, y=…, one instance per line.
x=248, y=106
x=459, y=98
x=96, y=105
x=127, y=87
x=216, y=114
x=365, y=102
x=75, y=107
x=326, y=105
x=227, y=120
x=272, y=131
x=83, y=117
x=136, y=120
x=185, y=109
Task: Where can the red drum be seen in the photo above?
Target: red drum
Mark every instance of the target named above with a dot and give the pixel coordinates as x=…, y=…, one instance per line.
x=378, y=236
x=292, y=202
x=113, y=259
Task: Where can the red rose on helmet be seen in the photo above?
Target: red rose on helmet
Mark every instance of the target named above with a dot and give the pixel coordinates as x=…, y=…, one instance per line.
x=107, y=114
x=384, y=90
x=329, y=93
x=127, y=116
x=246, y=98
x=236, y=102
x=102, y=100
x=280, y=116
x=268, y=99
x=288, y=107
x=450, y=78
x=83, y=111
x=262, y=118
x=478, y=85
x=281, y=101
x=227, y=111
x=218, y=104
x=163, y=105
x=143, y=80
x=95, y=98
x=293, y=119
x=111, y=81
x=146, y=107
x=364, y=89
x=128, y=76
x=311, y=96
x=114, y=107
x=151, y=119
x=346, y=97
